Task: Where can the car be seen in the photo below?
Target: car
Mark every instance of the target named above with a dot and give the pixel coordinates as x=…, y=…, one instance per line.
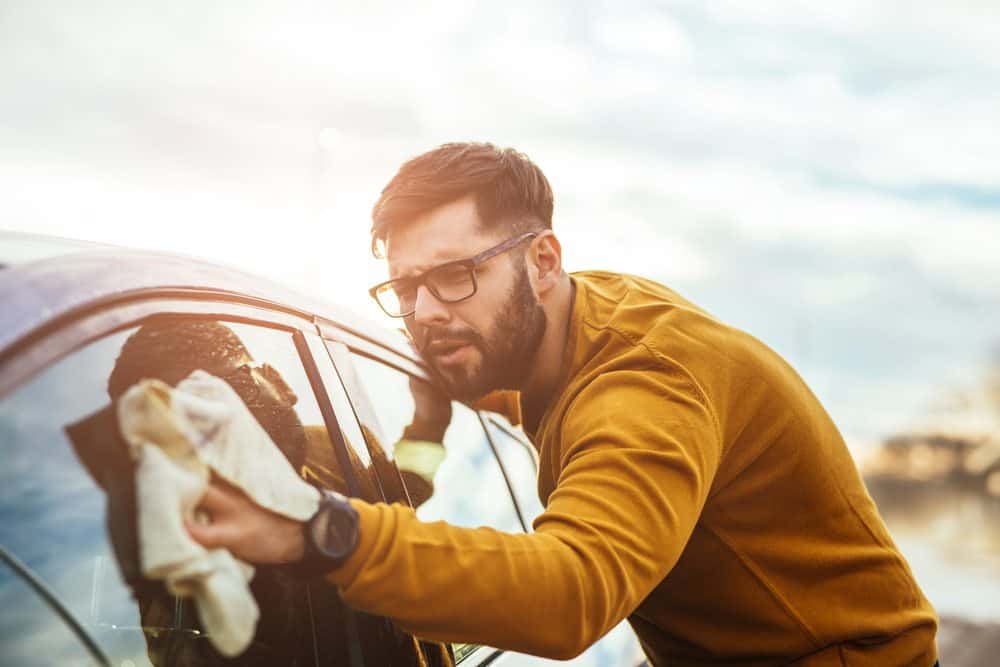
x=80, y=322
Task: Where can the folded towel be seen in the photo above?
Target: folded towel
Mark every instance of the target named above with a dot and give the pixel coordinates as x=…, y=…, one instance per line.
x=178, y=436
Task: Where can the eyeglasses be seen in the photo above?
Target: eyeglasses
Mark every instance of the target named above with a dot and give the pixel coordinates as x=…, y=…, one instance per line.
x=449, y=283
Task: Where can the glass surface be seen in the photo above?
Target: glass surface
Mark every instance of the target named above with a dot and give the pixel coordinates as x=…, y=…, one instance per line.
x=54, y=644
x=468, y=487
x=64, y=512
x=521, y=465
x=377, y=477
x=619, y=647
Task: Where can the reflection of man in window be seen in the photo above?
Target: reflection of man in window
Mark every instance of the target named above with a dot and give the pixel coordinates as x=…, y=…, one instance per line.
x=170, y=351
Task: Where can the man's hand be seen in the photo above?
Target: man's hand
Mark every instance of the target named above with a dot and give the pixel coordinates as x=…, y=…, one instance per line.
x=431, y=412
x=248, y=531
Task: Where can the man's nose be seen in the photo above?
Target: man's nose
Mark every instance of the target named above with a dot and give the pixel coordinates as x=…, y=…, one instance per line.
x=428, y=310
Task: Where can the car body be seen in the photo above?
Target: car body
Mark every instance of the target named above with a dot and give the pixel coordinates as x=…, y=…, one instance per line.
x=69, y=590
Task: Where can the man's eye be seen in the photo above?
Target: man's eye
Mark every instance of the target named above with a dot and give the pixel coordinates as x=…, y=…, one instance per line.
x=405, y=292
x=451, y=275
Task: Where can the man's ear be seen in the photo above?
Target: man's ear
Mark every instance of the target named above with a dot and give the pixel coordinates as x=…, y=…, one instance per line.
x=545, y=258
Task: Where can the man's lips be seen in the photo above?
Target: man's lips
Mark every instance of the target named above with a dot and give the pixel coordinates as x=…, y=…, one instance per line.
x=447, y=351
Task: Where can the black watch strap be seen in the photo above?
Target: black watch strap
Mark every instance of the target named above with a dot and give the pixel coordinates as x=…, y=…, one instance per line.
x=330, y=536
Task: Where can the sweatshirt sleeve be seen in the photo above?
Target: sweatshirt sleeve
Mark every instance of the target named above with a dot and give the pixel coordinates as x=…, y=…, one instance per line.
x=639, y=452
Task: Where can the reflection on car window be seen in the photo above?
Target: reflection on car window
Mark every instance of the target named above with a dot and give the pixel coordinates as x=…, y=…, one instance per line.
x=464, y=483
x=65, y=509
x=520, y=465
x=441, y=451
x=53, y=513
x=61, y=645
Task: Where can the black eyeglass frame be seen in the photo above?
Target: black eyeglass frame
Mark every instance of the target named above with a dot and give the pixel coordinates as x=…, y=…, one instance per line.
x=470, y=263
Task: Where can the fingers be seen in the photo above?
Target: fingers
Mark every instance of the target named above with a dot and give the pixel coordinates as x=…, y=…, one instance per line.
x=217, y=516
x=217, y=500
x=211, y=535
x=221, y=498
x=250, y=532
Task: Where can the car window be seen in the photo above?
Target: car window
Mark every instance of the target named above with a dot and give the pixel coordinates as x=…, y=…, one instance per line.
x=354, y=451
x=440, y=449
x=520, y=463
x=66, y=510
x=618, y=647
x=62, y=646
x=461, y=483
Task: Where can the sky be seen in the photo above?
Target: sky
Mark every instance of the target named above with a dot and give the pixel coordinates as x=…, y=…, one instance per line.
x=823, y=175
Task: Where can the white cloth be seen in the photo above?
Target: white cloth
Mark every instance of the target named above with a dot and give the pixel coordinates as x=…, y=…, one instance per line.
x=177, y=437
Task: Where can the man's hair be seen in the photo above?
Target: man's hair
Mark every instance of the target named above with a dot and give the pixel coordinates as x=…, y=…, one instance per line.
x=509, y=189
x=170, y=350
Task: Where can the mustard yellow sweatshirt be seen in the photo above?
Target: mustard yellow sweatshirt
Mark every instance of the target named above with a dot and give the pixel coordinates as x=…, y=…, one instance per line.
x=693, y=484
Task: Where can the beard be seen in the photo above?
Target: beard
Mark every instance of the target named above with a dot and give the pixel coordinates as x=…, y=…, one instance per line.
x=507, y=353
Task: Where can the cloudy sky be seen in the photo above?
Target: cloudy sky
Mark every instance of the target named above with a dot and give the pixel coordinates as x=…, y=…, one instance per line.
x=824, y=175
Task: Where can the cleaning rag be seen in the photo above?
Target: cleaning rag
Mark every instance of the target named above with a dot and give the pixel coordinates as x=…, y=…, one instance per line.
x=178, y=437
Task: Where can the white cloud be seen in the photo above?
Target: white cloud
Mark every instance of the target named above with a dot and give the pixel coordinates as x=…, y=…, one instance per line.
x=653, y=35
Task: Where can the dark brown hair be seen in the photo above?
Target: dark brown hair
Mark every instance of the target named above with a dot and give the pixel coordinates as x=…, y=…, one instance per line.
x=170, y=349
x=509, y=189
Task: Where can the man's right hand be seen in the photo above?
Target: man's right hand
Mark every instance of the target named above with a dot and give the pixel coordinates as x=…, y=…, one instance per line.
x=247, y=530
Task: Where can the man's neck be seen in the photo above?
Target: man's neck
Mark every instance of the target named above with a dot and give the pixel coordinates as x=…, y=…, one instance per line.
x=536, y=394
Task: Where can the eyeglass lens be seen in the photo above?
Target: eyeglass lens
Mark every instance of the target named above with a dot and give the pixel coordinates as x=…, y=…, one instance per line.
x=449, y=283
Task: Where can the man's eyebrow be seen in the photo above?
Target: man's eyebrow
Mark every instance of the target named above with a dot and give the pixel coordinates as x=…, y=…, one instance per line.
x=408, y=275
x=421, y=269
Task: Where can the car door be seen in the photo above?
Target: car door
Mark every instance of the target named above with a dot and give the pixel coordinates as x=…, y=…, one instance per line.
x=68, y=508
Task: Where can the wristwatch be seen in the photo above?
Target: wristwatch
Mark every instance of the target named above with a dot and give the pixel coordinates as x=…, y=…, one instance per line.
x=331, y=536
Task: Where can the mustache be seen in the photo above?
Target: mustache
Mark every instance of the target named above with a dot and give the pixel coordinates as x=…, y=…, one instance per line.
x=443, y=335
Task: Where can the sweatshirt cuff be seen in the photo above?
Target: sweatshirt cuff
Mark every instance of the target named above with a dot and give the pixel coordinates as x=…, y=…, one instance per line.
x=369, y=523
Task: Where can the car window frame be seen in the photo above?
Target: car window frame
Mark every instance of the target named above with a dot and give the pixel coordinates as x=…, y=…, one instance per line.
x=365, y=413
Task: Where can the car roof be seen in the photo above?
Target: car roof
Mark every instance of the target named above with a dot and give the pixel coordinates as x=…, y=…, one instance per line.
x=78, y=276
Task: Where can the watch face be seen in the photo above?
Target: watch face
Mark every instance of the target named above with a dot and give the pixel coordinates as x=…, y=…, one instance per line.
x=332, y=531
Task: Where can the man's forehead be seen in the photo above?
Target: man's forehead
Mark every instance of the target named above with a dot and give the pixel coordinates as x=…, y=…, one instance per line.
x=406, y=258
x=445, y=234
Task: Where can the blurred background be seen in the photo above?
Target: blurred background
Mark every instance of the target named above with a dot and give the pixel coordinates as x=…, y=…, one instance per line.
x=823, y=175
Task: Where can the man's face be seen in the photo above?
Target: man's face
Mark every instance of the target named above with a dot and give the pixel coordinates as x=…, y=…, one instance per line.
x=488, y=341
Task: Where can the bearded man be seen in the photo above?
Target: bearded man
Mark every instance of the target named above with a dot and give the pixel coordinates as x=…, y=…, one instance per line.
x=692, y=483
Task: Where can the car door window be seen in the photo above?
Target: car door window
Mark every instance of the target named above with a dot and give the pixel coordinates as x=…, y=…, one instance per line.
x=66, y=501
x=440, y=448
x=462, y=483
x=520, y=463
x=61, y=645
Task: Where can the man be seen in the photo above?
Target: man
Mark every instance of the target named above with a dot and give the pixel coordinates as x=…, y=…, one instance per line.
x=692, y=482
